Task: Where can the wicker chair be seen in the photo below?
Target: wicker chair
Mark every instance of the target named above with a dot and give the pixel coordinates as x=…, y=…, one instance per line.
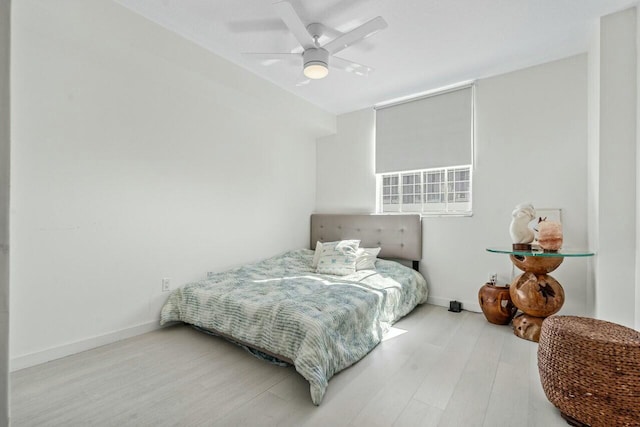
x=590, y=370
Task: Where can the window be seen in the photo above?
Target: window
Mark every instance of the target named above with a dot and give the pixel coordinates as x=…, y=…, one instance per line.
x=424, y=152
x=437, y=191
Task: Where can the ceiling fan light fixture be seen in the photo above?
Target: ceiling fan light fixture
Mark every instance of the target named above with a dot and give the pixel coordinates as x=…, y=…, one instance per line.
x=316, y=70
x=316, y=63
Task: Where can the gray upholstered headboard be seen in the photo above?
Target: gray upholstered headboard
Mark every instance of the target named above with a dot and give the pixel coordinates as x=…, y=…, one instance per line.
x=399, y=236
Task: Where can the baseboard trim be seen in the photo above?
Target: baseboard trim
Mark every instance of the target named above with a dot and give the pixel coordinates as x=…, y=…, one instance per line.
x=58, y=352
x=444, y=302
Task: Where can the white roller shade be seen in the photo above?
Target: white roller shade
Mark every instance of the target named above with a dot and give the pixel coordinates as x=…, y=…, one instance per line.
x=431, y=132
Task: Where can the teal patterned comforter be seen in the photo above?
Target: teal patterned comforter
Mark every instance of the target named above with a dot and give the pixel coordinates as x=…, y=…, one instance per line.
x=322, y=323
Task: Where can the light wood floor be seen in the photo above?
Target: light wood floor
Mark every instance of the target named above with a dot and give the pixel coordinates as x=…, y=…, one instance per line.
x=447, y=369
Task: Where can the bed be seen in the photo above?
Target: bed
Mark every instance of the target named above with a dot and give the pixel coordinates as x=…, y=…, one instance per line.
x=320, y=323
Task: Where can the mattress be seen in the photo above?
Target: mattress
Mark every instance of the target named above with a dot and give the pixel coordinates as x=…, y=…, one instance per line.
x=322, y=323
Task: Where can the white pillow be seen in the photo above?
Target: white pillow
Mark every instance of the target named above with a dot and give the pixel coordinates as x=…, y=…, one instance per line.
x=316, y=254
x=338, y=258
x=366, y=258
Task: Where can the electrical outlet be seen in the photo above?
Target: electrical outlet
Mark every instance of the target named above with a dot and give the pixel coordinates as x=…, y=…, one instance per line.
x=166, y=284
x=493, y=278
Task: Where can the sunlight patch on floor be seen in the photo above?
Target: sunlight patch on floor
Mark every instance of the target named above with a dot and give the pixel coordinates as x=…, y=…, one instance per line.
x=393, y=332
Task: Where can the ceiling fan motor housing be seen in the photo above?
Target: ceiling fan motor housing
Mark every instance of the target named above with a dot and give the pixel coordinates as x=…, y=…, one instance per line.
x=315, y=56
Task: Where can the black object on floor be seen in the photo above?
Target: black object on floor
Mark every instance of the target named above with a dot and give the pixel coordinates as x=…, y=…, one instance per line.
x=455, y=306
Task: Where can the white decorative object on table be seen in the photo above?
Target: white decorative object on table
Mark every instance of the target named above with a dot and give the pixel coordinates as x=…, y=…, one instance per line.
x=519, y=229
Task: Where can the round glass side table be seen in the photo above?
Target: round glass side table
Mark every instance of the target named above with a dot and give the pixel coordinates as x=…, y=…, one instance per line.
x=536, y=293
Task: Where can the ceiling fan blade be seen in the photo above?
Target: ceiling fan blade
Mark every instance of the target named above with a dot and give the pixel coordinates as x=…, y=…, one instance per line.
x=270, y=58
x=294, y=23
x=349, y=66
x=363, y=31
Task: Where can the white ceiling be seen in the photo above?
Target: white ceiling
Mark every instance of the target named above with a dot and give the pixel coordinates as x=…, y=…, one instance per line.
x=428, y=44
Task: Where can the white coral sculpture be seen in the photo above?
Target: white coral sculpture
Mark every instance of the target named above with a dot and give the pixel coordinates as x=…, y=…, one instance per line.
x=519, y=229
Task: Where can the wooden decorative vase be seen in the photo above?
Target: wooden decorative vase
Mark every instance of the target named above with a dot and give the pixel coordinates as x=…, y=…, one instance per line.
x=537, y=295
x=496, y=304
x=536, y=264
x=527, y=327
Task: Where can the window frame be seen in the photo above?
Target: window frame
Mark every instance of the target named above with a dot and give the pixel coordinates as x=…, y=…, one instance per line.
x=445, y=187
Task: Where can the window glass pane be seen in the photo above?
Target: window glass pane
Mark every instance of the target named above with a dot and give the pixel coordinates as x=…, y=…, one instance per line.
x=389, y=193
x=433, y=176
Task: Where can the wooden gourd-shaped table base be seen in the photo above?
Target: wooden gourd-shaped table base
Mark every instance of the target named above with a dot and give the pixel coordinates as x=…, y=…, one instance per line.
x=536, y=293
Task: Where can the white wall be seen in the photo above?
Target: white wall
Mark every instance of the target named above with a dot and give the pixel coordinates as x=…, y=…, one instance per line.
x=637, y=317
x=346, y=164
x=617, y=169
x=136, y=156
x=5, y=36
x=593, y=159
x=531, y=145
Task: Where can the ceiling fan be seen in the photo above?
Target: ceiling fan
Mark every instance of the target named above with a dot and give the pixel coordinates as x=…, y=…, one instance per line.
x=316, y=58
